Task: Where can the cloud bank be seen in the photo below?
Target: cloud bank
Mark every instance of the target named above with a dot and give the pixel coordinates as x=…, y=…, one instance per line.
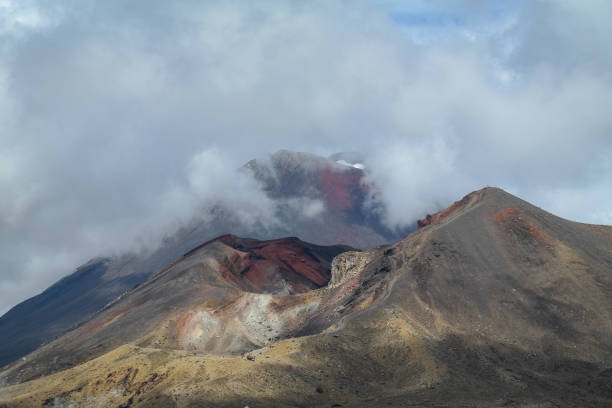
x=121, y=119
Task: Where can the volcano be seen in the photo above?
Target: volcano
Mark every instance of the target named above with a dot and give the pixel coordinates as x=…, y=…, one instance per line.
x=492, y=302
x=285, y=177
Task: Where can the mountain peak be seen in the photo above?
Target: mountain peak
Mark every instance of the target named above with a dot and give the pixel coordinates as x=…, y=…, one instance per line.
x=487, y=195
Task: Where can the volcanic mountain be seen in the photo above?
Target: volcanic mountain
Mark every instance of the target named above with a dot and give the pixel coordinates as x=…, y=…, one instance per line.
x=286, y=177
x=351, y=215
x=492, y=302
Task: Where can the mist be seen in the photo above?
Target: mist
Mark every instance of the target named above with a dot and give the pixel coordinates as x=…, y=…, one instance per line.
x=121, y=121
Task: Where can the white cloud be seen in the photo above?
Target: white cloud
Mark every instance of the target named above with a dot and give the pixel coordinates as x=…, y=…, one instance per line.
x=121, y=120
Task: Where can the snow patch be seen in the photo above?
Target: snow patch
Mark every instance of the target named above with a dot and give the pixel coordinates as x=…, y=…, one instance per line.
x=359, y=166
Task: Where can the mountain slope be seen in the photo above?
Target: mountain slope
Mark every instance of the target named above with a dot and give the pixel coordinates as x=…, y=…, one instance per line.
x=492, y=302
x=285, y=177
x=56, y=310
x=220, y=272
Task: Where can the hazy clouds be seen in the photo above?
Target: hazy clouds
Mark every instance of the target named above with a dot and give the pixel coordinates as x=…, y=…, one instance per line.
x=120, y=119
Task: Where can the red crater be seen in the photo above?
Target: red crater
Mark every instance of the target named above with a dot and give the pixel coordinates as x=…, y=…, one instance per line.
x=285, y=265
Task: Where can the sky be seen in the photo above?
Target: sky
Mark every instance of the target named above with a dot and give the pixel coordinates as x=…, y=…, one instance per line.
x=119, y=118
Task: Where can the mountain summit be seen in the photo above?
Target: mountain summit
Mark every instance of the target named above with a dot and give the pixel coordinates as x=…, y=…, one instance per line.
x=492, y=302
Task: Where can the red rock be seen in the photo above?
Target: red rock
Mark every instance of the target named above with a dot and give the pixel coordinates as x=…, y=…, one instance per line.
x=269, y=266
